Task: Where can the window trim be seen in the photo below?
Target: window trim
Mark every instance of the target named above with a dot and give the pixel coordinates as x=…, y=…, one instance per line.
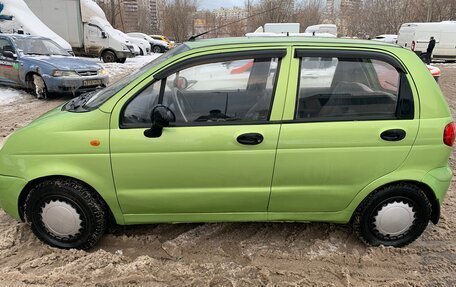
x=163, y=75
x=405, y=90
x=303, y=53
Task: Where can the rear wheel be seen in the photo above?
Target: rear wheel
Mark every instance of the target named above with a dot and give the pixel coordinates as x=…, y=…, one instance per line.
x=63, y=213
x=109, y=57
x=393, y=216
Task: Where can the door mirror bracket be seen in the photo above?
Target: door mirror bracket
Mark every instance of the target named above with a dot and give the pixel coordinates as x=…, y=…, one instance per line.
x=161, y=116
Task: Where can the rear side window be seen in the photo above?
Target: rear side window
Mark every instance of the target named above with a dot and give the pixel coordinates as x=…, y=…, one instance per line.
x=350, y=88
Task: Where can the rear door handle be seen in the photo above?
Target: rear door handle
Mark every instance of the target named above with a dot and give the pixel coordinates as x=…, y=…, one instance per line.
x=250, y=139
x=393, y=135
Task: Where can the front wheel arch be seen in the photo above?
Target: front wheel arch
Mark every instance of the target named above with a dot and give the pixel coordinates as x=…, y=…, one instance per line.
x=31, y=184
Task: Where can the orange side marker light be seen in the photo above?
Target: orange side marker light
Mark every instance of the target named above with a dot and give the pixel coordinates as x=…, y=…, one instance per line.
x=95, y=143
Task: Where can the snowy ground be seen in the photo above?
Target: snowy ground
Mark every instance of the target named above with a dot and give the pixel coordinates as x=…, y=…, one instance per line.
x=115, y=70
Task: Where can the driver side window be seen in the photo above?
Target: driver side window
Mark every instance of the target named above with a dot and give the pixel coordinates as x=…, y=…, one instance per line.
x=237, y=90
x=215, y=92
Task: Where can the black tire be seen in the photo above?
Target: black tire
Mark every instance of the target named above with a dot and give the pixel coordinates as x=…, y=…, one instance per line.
x=109, y=57
x=157, y=49
x=38, y=87
x=141, y=52
x=121, y=60
x=410, y=195
x=91, y=213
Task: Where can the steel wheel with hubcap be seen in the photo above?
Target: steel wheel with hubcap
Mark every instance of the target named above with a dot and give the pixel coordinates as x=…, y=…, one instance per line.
x=393, y=216
x=64, y=213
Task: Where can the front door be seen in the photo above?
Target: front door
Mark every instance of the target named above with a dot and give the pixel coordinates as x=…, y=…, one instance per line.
x=218, y=156
x=351, y=120
x=9, y=66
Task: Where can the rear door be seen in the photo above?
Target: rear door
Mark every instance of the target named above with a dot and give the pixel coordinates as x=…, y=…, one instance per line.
x=350, y=118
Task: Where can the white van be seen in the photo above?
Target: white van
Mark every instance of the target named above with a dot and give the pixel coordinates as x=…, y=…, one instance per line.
x=416, y=36
x=322, y=29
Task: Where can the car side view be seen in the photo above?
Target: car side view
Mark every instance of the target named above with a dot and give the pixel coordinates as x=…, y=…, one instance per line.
x=43, y=67
x=241, y=129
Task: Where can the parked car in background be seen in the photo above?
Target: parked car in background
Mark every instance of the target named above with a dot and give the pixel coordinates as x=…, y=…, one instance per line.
x=157, y=46
x=171, y=44
x=42, y=66
x=241, y=129
x=416, y=37
x=141, y=44
x=387, y=38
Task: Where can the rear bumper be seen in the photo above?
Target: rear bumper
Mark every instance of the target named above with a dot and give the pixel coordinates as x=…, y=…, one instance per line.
x=10, y=189
x=74, y=85
x=439, y=181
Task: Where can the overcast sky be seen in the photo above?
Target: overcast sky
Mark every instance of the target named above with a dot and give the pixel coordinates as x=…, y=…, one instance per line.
x=214, y=4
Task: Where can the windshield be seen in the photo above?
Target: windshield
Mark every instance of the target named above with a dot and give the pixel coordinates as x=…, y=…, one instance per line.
x=40, y=47
x=102, y=96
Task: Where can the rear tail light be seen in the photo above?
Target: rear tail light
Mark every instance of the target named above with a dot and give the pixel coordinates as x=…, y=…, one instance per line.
x=449, y=134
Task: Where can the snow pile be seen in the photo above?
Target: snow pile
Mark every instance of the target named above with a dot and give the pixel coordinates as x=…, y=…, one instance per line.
x=24, y=18
x=9, y=95
x=90, y=9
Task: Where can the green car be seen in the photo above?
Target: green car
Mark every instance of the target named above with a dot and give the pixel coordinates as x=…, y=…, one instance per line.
x=241, y=129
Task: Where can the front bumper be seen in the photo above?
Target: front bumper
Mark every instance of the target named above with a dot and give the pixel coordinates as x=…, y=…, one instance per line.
x=123, y=55
x=74, y=85
x=10, y=189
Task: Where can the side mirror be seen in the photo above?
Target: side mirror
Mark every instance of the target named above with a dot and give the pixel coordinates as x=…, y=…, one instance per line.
x=9, y=54
x=181, y=83
x=103, y=35
x=161, y=117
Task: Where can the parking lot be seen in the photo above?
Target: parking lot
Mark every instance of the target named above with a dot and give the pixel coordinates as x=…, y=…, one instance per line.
x=225, y=254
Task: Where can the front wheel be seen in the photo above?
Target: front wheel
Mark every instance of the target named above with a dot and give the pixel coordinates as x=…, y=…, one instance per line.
x=39, y=87
x=392, y=216
x=63, y=213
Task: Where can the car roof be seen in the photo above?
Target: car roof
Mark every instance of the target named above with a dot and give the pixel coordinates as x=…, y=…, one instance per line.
x=22, y=36
x=283, y=40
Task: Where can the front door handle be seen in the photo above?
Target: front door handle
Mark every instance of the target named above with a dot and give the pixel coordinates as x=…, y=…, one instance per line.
x=393, y=135
x=250, y=139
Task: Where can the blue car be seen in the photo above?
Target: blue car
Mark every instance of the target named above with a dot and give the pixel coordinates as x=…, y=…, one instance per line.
x=41, y=66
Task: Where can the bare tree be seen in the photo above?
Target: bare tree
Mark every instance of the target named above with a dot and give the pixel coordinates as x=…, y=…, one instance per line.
x=178, y=18
x=275, y=11
x=308, y=12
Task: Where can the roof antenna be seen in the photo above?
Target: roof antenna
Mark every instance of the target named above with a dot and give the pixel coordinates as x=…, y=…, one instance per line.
x=194, y=37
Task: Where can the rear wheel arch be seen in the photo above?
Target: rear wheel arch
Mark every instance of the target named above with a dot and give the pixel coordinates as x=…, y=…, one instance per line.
x=427, y=190
x=33, y=183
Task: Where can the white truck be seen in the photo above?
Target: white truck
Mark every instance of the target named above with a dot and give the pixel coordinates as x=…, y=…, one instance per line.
x=16, y=17
x=84, y=25
x=416, y=37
